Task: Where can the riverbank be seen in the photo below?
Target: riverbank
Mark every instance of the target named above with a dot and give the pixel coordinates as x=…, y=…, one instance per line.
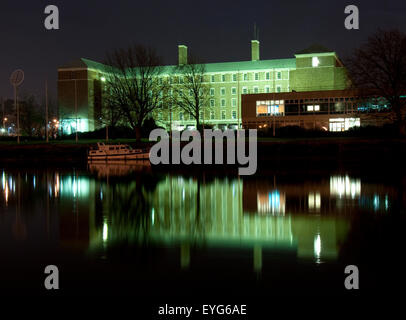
x=271, y=151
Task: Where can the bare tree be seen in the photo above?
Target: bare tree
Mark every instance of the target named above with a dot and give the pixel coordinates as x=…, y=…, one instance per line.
x=31, y=116
x=134, y=83
x=380, y=65
x=191, y=93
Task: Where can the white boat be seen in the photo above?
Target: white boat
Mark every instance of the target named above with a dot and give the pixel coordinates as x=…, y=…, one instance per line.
x=116, y=152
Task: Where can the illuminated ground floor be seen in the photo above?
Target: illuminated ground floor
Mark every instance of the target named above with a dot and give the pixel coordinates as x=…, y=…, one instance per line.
x=335, y=110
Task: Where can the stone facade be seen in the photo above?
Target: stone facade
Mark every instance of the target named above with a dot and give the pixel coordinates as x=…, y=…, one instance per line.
x=226, y=83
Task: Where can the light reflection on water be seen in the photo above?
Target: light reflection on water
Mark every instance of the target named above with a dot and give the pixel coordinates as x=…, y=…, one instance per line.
x=92, y=212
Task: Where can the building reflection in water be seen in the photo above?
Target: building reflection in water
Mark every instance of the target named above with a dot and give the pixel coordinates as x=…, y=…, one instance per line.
x=310, y=219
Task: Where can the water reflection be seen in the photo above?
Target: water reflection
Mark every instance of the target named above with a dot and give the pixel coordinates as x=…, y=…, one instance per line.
x=309, y=218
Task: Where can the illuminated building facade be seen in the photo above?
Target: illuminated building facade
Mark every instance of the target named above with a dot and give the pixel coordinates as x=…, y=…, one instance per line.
x=315, y=68
x=329, y=110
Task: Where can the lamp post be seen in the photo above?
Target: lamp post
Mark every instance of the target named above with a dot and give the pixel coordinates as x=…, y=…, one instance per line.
x=76, y=113
x=16, y=79
x=46, y=110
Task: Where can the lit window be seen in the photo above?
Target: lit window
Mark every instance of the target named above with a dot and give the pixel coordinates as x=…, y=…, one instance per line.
x=310, y=108
x=315, y=62
x=317, y=107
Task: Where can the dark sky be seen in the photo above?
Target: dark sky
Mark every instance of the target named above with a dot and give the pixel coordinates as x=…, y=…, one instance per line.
x=213, y=30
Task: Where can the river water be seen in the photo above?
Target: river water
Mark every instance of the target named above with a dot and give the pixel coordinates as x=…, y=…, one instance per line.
x=130, y=229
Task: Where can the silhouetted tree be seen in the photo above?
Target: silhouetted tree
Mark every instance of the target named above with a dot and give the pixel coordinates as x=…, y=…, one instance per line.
x=380, y=64
x=191, y=92
x=134, y=83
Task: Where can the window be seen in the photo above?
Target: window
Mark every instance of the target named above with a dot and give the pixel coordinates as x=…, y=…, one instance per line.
x=256, y=90
x=212, y=79
x=223, y=77
x=233, y=90
x=279, y=75
x=278, y=89
x=256, y=76
x=233, y=102
x=244, y=90
x=212, y=104
x=180, y=115
x=270, y=107
x=234, y=114
x=223, y=102
x=245, y=76
x=212, y=115
x=267, y=76
x=223, y=91
x=313, y=107
x=223, y=115
x=212, y=91
x=234, y=77
x=315, y=62
x=267, y=89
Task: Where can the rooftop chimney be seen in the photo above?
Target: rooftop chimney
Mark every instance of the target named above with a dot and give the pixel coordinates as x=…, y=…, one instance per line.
x=254, y=50
x=182, y=49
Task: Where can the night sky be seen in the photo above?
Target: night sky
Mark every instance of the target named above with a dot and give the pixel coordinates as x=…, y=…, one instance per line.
x=215, y=31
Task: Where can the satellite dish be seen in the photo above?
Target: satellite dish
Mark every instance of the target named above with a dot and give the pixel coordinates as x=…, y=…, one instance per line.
x=17, y=77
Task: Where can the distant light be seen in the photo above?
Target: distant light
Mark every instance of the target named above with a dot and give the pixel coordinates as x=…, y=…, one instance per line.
x=315, y=62
x=105, y=231
x=317, y=247
x=103, y=79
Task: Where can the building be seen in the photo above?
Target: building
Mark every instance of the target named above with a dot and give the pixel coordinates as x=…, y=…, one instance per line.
x=80, y=86
x=329, y=110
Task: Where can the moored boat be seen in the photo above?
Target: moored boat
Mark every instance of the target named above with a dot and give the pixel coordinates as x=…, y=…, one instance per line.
x=116, y=152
